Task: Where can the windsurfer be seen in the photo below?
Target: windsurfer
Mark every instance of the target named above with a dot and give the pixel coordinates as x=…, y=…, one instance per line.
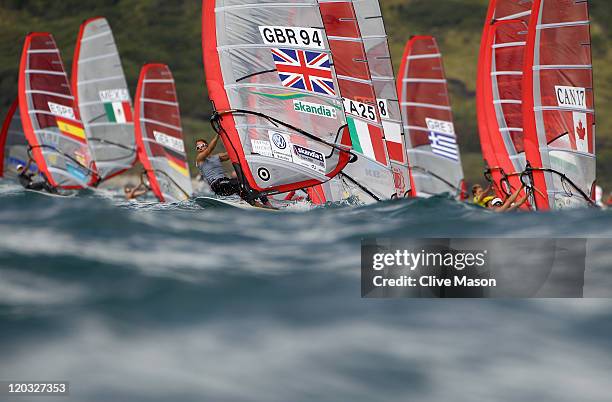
x=481, y=197
x=28, y=179
x=211, y=169
x=131, y=192
x=511, y=203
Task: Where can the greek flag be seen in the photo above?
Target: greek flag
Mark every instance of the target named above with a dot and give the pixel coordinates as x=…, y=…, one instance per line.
x=444, y=145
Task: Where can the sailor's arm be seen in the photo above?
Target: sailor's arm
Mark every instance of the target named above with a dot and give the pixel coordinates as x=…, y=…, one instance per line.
x=519, y=203
x=209, y=150
x=224, y=157
x=27, y=166
x=508, y=204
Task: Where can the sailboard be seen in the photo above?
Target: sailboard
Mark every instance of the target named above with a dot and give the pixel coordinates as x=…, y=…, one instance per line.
x=13, y=144
x=558, y=109
x=499, y=93
x=50, y=120
x=103, y=99
x=159, y=134
x=272, y=81
x=374, y=36
x=229, y=202
x=431, y=140
x=370, y=176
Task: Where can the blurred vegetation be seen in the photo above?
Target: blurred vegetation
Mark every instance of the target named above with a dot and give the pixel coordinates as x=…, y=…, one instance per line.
x=169, y=32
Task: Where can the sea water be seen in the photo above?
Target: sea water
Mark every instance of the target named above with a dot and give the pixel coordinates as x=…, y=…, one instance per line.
x=137, y=301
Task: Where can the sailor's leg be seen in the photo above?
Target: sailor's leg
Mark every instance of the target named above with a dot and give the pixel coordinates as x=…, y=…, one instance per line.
x=39, y=186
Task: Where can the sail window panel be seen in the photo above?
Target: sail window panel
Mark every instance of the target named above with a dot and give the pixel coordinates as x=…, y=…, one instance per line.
x=243, y=24
x=560, y=11
x=350, y=59
x=429, y=68
x=565, y=45
x=340, y=20
x=426, y=92
x=159, y=91
x=513, y=8
x=378, y=57
x=40, y=63
x=370, y=18
x=550, y=80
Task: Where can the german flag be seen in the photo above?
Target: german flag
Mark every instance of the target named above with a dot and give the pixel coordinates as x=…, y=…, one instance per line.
x=71, y=129
x=178, y=164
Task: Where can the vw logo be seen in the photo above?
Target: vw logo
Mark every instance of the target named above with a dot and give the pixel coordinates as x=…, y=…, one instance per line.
x=279, y=141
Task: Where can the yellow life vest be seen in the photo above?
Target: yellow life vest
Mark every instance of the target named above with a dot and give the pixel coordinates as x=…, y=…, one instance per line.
x=484, y=201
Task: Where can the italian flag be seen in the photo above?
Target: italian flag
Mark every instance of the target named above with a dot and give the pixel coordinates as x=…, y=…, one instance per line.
x=367, y=139
x=119, y=112
x=71, y=129
x=395, y=144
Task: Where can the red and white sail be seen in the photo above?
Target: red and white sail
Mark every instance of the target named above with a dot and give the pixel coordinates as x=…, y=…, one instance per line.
x=374, y=36
x=431, y=140
x=559, y=115
x=103, y=98
x=268, y=68
x=370, y=177
x=159, y=134
x=499, y=92
x=51, y=122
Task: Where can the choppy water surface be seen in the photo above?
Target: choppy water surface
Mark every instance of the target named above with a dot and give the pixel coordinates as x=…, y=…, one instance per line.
x=144, y=302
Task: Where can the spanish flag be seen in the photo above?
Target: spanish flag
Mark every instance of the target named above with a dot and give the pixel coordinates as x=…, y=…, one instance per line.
x=71, y=129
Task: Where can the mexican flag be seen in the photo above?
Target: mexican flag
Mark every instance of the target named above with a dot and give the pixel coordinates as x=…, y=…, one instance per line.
x=367, y=139
x=119, y=112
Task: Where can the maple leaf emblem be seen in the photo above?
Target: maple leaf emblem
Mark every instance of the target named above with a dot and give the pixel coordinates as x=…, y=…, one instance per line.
x=580, y=131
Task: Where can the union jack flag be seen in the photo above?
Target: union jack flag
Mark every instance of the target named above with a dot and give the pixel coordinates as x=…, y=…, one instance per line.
x=304, y=69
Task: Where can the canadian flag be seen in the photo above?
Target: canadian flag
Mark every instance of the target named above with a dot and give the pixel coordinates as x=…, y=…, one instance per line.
x=581, y=132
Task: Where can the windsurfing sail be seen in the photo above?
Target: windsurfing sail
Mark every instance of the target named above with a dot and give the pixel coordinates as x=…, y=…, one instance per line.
x=374, y=36
x=13, y=144
x=559, y=114
x=103, y=99
x=50, y=120
x=499, y=92
x=370, y=177
x=159, y=134
x=271, y=79
x=431, y=140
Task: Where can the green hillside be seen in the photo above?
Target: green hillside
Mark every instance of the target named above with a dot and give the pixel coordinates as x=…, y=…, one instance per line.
x=155, y=30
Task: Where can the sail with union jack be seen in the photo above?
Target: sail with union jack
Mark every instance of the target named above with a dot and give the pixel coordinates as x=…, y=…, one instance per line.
x=305, y=70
